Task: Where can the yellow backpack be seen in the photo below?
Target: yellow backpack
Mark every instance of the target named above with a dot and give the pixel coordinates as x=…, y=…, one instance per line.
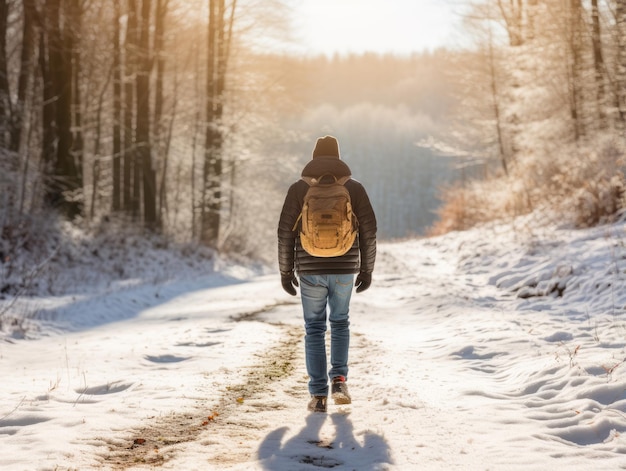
x=329, y=227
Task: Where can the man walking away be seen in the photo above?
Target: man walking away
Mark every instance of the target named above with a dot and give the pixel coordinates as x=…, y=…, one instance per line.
x=317, y=224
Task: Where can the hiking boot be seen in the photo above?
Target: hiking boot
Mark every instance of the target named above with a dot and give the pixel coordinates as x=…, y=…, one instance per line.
x=317, y=404
x=339, y=391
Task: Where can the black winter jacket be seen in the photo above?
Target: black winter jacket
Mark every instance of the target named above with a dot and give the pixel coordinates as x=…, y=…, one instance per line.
x=291, y=255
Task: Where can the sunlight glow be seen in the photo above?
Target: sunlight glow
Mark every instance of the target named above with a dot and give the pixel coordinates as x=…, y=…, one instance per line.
x=383, y=26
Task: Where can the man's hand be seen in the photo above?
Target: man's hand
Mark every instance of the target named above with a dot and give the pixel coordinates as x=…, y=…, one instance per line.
x=289, y=282
x=363, y=281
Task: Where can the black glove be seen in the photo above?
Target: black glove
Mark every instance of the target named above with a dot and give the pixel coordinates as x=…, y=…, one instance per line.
x=363, y=281
x=289, y=281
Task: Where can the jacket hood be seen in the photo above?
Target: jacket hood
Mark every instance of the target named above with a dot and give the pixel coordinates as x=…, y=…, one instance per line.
x=320, y=166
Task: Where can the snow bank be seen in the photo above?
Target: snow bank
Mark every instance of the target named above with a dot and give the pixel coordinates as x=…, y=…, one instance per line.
x=499, y=348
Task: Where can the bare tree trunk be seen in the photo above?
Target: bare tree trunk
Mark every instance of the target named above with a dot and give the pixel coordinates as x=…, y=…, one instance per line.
x=47, y=62
x=25, y=72
x=98, y=144
x=130, y=189
x=166, y=152
x=64, y=189
x=5, y=93
x=25, y=171
x=576, y=65
x=37, y=85
x=218, y=48
x=496, y=105
x=117, y=110
x=160, y=149
x=163, y=206
x=159, y=50
x=620, y=19
x=193, y=175
x=210, y=221
x=194, y=140
x=63, y=73
x=48, y=127
x=598, y=60
x=144, y=148
x=72, y=42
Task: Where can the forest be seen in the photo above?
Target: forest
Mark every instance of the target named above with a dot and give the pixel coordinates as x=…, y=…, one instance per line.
x=146, y=148
x=543, y=97
x=184, y=120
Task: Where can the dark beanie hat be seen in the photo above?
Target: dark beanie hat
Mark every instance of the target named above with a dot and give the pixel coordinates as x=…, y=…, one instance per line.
x=326, y=146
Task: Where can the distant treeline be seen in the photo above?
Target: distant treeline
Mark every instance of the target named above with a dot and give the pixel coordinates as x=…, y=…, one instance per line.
x=383, y=109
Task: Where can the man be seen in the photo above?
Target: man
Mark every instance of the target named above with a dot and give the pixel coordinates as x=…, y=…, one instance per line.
x=326, y=281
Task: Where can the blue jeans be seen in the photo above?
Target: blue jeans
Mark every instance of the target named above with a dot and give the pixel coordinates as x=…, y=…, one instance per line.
x=318, y=293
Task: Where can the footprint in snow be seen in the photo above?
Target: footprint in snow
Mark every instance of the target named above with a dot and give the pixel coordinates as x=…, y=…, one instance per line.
x=165, y=358
x=23, y=421
x=10, y=426
x=470, y=353
x=559, y=337
x=195, y=344
x=102, y=389
x=209, y=330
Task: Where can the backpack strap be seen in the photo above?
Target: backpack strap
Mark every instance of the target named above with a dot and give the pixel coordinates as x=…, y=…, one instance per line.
x=316, y=180
x=293, y=229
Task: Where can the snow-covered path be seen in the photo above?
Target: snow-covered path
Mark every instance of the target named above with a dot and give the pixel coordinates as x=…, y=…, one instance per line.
x=471, y=351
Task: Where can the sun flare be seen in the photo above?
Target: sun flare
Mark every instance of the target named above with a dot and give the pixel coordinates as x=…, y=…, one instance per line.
x=397, y=26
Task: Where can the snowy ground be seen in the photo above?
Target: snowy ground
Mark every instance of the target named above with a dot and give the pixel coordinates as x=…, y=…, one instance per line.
x=500, y=348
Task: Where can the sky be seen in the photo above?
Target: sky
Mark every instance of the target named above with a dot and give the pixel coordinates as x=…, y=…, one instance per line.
x=382, y=26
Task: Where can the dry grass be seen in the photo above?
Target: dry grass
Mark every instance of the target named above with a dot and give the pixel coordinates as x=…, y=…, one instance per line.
x=585, y=185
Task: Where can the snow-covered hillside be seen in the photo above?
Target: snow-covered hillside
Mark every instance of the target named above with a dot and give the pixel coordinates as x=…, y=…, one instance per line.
x=498, y=348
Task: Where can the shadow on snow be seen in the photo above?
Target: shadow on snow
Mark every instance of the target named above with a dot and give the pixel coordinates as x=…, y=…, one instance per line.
x=308, y=448
x=123, y=304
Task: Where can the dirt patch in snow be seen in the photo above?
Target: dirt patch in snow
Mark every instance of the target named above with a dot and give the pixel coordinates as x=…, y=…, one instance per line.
x=155, y=442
